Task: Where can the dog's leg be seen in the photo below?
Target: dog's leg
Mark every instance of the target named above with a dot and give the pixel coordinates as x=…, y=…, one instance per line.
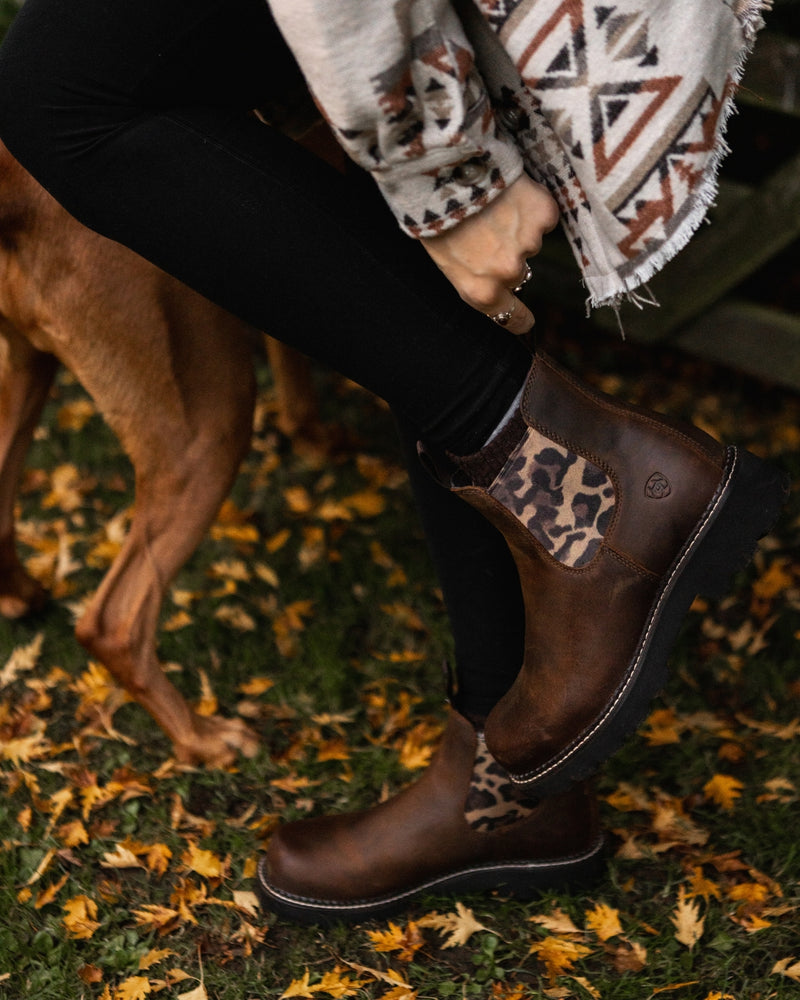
x=297, y=414
x=173, y=376
x=173, y=511
x=177, y=386
x=26, y=375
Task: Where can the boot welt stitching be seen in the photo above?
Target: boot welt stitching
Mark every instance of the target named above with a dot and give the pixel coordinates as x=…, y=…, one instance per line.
x=430, y=884
x=633, y=670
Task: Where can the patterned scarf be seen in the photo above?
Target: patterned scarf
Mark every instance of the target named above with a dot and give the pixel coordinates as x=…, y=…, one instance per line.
x=627, y=102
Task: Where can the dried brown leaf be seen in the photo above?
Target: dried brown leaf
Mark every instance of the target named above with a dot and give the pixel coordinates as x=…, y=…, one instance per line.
x=630, y=956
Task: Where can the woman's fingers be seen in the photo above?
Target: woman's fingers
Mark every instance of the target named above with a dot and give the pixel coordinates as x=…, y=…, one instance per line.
x=485, y=256
x=512, y=314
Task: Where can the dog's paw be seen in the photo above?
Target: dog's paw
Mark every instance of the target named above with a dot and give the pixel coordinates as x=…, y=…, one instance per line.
x=217, y=742
x=20, y=594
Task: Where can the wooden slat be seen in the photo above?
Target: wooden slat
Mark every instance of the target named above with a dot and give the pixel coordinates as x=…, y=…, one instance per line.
x=772, y=78
x=758, y=340
x=720, y=256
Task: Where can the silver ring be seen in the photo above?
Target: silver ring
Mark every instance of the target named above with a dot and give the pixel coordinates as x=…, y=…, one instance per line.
x=526, y=277
x=503, y=318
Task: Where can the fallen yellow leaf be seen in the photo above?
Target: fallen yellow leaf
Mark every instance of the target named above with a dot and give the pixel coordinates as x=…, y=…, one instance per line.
x=23, y=658
x=604, y=921
x=556, y=922
x=724, y=790
x=338, y=984
x=558, y=955
x=777, y=578
x=49, y=894
x=198, y=993
x=787, y=967
x=133, y=988
x=699, y=885
x=75, y=415
x=235, y=616
x=120, y=857
x=67, y=488
x=155, y=916
x=202, y=862
x=366, y=503
x=297, y=988
x=256, y=685
x=153, y=957
x=80, y=917
x=404, y=940
x=687, y=920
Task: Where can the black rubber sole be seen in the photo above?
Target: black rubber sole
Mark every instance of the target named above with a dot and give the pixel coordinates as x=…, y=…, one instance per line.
x=521, y=879
x=743, y=510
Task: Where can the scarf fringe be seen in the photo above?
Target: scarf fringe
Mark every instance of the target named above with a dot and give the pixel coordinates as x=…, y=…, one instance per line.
x=751, y=20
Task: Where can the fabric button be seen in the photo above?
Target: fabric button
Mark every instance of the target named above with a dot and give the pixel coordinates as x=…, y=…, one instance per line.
x=511, y=118
x=470, y=172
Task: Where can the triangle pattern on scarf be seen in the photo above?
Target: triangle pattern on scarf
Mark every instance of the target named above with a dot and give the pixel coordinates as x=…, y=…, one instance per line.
x=559, y=47
x=637, y=46
x=620, y=112
x=616, y=27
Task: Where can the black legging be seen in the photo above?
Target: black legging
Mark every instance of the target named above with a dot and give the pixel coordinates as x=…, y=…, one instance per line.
x=135, y=116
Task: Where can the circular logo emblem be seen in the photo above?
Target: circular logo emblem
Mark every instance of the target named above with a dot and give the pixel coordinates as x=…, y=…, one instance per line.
x=657, y=487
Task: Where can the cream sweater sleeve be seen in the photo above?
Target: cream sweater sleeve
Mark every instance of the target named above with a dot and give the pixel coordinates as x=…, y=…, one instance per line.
x=398, y=84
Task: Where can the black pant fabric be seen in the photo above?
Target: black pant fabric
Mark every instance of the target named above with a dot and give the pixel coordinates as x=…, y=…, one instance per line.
x=136, y=116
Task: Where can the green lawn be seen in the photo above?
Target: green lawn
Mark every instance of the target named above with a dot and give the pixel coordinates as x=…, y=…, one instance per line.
x=312, y=611
x=125, y=875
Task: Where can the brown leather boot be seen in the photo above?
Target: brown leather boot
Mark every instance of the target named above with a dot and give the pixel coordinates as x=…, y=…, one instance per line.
x=463, y=827
x=617, y=518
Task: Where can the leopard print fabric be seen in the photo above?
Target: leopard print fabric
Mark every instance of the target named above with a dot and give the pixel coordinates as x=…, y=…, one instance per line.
x=565, y=501
x=493, y=800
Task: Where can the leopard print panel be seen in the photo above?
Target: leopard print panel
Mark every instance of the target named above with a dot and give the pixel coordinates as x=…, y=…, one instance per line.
x=493, y=800
x=565, y=501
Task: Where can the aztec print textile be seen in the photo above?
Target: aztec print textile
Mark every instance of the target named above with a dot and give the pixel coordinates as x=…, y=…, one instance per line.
x=617, y=106
x=565, y=501
x=626, y=104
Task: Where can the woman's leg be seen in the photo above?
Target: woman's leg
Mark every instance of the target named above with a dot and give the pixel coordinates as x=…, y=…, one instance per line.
x=616, y=519
x=139, y=125
x=481, y=590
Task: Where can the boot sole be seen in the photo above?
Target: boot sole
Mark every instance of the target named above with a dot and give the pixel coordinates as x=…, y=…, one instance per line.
x=744, y=509
x=521, y=879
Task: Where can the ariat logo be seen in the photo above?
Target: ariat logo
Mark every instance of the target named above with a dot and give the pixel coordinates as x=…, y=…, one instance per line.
x=657, y=487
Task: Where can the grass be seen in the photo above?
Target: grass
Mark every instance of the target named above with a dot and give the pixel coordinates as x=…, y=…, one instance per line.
x=361, y=672
x=124, y=875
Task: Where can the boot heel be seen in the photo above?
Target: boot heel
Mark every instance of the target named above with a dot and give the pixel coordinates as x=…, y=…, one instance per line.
x=748, y=509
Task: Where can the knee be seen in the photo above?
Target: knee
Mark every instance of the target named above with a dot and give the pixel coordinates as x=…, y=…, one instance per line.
x=24, y=98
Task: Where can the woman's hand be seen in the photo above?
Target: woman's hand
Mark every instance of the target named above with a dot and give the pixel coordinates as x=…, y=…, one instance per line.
x=484, y=256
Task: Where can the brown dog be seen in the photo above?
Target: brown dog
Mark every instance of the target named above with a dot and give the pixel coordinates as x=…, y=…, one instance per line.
x=173, y=376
